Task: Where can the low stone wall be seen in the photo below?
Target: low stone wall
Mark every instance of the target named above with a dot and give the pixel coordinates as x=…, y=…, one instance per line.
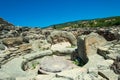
x=4, y=58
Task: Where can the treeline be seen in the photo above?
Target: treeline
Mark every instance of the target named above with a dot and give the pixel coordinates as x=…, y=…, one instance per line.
x=102, y=22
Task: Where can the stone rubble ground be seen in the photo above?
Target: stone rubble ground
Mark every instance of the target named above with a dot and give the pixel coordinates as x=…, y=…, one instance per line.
x=34, y=44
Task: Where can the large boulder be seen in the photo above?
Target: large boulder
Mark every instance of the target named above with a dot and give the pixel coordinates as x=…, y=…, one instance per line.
x=13, y=41
x=92, y=42
x=14, y=33
x=81, y=49
x=33, y=34
x=87, y=45
x=62, y=48
x=61, y=36
x=24, y=47
x=40, y=45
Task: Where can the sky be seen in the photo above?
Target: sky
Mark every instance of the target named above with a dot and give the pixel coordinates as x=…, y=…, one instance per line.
x=42, y=13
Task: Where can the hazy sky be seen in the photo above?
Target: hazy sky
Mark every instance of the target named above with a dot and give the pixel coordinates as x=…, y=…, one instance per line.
x=47, y=12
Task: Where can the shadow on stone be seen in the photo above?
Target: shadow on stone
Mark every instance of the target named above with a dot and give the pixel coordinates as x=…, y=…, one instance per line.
x=79, y=56
x=116, y=65
x=78, y=60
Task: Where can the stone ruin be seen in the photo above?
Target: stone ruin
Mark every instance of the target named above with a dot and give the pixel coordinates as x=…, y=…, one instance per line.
x=48, y=57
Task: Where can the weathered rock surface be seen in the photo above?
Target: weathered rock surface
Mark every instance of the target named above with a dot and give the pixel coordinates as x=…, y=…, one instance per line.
x=88, y=45
x=13, y=41
x=63, y=48
x=14, y=68
x=5, y=76
x=92, y=42
x=22, y=49
x=110, y=50
x=81, y=49
x=54, y=64
x=61, y=36
x=108, y=74
x=73, y=74
x=4, y=25
x=38, y=45
x=2, y=47
x=116, y=65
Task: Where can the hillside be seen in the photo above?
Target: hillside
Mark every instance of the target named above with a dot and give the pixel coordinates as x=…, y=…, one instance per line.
x=99, y=22
x=4, y=25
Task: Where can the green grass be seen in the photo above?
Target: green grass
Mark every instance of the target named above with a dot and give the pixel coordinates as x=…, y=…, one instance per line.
x=76, y=62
